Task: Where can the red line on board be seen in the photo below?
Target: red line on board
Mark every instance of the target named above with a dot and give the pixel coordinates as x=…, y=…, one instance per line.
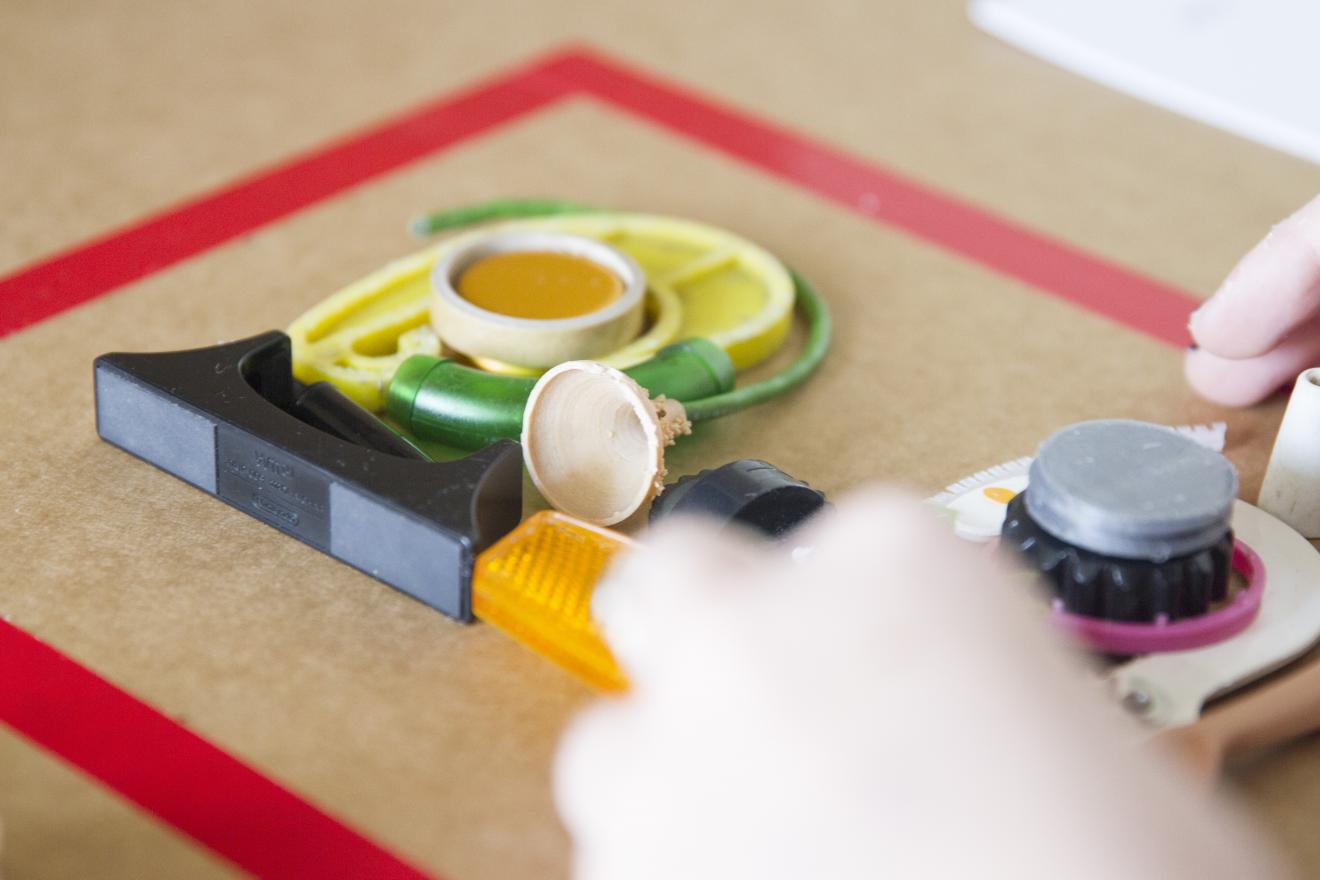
x=223, y=804
x=101, y=265
x=1143, y=304
x=229, y=807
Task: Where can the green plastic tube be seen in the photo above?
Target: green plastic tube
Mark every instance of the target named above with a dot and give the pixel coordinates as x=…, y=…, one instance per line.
x=500, y=209
x=446, y=402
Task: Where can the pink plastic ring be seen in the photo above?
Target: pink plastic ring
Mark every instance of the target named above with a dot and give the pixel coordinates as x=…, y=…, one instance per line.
x=1118, y=637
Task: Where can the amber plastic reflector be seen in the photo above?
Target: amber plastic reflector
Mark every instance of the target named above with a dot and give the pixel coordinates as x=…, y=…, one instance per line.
x=536, y=583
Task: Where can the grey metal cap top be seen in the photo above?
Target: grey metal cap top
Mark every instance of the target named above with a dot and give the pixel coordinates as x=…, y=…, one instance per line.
x=1130, y=489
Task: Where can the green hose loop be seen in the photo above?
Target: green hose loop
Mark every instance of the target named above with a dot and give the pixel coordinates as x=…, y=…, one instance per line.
x=820, y=327
x=500, y=209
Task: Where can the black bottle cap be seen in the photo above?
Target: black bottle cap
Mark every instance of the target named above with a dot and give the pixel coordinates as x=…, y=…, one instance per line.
x=1115, y=588
x=751, y=492
x=1127, y=521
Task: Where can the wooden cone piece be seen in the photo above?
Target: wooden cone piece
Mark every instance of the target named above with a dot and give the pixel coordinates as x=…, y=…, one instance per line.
x=1291, y=489
x=594, y=441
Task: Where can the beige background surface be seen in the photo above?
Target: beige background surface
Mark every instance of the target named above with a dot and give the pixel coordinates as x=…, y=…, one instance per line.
x=433, y=738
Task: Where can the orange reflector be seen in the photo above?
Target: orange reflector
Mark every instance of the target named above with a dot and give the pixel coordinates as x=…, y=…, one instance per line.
x=536, y=583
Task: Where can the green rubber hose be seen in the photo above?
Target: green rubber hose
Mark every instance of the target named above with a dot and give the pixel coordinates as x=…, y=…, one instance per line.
x=500, y=209
x=820, y=327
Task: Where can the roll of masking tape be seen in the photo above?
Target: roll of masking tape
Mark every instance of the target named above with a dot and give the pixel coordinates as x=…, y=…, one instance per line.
x=536, y=298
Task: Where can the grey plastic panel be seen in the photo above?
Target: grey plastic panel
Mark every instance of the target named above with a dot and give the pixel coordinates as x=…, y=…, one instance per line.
x=153, y=427
x=389, y=545
x=222, y=419
x=273, y=485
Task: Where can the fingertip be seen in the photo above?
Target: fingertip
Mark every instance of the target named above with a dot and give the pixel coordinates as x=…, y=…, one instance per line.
x=678, y=573
x=1225, y=326
x=1273, y=289
x=1228, y=382
x=588, y=761
x=870, y=508
x=682, y=553
x=876, y=530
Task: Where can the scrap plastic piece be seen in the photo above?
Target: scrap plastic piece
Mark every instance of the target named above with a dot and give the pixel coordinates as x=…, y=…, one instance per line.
x=1270, y=715
x=221, y=419
x=357, y=337
x=700, y=280
x=536, y=585
x=1291, y=489
x=1127, y=521
x=1169, y=689
x=1130, y=489
x=1211, y=436
x=447, y=402
x=977, y=504
x=749, y=492
x=1127, y=637
x=324, y=406
x=721, y=286
x=1120, y=588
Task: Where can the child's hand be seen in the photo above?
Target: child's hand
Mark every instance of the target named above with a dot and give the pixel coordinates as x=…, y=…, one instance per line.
x=894, y=705
x=1262, y=327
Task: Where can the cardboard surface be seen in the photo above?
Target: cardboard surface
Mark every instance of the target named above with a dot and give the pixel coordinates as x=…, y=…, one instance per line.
x=433, y=739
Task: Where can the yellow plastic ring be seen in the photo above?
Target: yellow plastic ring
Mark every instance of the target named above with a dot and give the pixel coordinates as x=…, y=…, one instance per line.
x=701, y=281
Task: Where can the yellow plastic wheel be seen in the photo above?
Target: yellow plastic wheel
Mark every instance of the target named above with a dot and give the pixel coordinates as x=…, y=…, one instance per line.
x=357, y=337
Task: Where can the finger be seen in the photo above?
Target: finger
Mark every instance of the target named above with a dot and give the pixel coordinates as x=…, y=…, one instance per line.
x=1248, y=381
x=1271, y=291
x=595, y=763
x=863, y=522
x=649, y=601
x=884, y=548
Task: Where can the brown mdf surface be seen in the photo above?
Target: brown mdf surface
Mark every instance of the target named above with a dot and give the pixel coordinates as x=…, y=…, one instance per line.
x=58, y=823
x=436, y=739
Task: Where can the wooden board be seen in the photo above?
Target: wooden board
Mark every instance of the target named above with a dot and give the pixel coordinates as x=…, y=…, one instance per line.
x=433, y=740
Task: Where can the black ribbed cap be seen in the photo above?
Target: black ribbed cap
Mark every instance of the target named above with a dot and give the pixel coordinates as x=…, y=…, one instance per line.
x=748, y=491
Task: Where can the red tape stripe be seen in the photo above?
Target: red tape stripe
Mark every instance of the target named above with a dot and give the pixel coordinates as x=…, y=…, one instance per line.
x=223, y=804
x=1142, y=304
x=93, y=268
x=97, y=267
x=227, y=806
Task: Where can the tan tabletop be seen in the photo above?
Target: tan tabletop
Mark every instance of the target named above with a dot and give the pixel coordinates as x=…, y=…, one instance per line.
x=434, y=739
